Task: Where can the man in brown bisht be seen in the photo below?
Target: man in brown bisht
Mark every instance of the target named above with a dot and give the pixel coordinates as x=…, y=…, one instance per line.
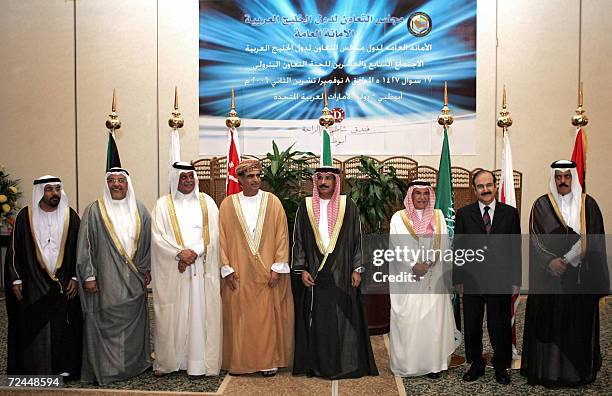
x=256, y=291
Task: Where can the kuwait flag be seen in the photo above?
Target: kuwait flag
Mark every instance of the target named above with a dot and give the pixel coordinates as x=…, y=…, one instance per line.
x=579, y=156
x=233, y=159
x=112, y=154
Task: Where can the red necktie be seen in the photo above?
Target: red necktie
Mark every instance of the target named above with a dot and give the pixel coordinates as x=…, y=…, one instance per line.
x=486, y=218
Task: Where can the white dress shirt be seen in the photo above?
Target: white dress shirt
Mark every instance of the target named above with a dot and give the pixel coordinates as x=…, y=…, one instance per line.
x=573, y=256
x=491, y=209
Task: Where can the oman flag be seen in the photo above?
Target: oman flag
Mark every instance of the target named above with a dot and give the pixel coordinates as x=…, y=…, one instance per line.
x=233, y=159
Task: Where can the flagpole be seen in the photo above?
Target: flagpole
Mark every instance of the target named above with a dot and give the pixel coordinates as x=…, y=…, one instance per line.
x=112, y=124
x=175, y=122
x=326, y=120
x=580, y=120
x=445, y=202
x=508, y=196
x=233, y=156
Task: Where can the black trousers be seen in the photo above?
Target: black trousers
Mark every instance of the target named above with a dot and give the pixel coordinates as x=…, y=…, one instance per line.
x=498, y=324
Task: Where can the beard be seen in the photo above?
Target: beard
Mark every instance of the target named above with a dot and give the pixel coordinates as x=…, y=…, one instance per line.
x=52, y=202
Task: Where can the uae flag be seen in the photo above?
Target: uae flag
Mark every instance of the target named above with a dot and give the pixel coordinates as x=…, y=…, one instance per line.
x=579, y=156
x=508, y=196
x=112, y=154
x=233, y=159
x=446, y=203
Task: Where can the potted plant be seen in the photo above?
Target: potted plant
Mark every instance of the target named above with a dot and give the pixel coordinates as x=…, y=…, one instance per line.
x=283, y=173
x=9, y=195
x=377, y=193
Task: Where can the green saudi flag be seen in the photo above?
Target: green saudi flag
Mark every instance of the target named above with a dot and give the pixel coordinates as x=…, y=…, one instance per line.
x=444, y=187
x=445, y=202
x=326, y=154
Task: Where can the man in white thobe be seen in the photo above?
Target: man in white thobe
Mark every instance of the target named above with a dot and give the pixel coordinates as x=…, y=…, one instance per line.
x=422, y=326
x=185, y=272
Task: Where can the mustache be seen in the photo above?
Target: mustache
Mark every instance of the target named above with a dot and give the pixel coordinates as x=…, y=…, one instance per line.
x=487, y=193
x=323, y=185
x=563, y=185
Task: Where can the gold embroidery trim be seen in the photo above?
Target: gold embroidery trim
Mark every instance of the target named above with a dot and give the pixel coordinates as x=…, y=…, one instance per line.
x=556, y=209
x=252, y=242
x=438, y=231
x=60, y=256
x=314, y=225
x=173, y=219
x=407, y=224
x=336, y=232
x=111, y=231
x=177, y=229
x=438, y=238
x=583, y=242
x=205, y=231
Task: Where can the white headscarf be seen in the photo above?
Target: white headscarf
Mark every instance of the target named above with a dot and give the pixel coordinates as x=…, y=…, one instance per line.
x=175, y=174
x=576, y=192
x=122, y=213
x=47, y=235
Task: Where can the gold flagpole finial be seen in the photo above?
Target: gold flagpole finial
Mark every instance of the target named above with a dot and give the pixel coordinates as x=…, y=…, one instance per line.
x=504, y=120
x=326, y=119
x=176, y=120
x=175, y=97
x=445, y=93
x=232, y=120
x=113, y=122
x=445, y=118
x=580, y=119
x=114, y=103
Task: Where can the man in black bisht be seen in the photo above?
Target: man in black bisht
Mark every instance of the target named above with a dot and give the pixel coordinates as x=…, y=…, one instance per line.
x=568, y=274
x=331, y=331
x=44, y=312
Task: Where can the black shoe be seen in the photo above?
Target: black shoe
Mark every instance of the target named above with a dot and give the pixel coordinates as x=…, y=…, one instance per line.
x=269, y=373
x=502, y=376
x=476, y=371
x=433, y=375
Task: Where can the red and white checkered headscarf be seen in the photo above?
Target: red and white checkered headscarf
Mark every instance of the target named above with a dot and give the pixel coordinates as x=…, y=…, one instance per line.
x=426, y=224
x=332, y=207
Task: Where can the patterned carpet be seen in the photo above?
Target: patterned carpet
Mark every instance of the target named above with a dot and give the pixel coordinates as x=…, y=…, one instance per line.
x=451, y=383
x=144, y=382
x=284, y=383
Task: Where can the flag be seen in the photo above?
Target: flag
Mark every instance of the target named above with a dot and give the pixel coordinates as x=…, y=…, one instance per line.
x=444, y=187
x=233, y=159
x=508, y=196
x=175, y=147
x=445, y=202
x=579, y=156
x=326, y=154
x=112, y=154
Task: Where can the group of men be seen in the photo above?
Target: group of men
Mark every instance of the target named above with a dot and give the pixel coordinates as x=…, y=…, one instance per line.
x=223, y=296
x=568, y=275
